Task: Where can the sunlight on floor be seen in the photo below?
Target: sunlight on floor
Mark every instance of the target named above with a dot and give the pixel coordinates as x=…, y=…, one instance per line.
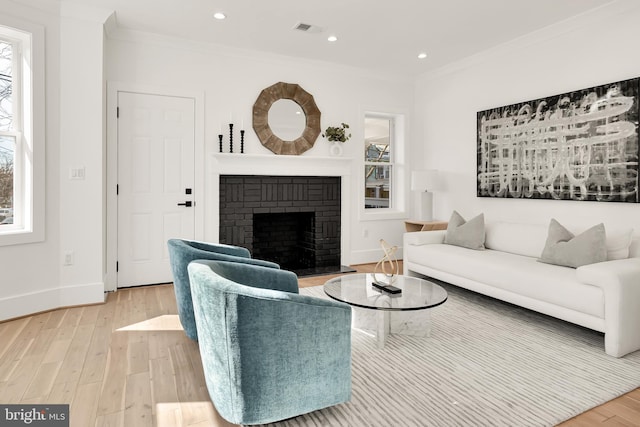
x=166, y=322
x=171, y=414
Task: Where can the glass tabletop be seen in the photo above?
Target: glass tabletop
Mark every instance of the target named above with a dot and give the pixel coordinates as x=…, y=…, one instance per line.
x=358, y=290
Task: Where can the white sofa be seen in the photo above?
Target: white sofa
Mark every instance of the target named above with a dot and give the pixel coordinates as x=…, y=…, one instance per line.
x=604, y=296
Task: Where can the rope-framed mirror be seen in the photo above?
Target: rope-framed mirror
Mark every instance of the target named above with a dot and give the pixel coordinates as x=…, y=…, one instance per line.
x=263, y=129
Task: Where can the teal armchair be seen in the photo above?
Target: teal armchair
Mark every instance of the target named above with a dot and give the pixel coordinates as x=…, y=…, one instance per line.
x=181, y=253
x=268, y=353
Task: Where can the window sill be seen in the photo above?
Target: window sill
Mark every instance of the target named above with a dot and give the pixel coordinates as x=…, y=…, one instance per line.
x=382, y=214
x=20, y=237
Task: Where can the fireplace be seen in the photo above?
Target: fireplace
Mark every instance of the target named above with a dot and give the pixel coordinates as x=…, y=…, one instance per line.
x=291, y=220
x=285, y=238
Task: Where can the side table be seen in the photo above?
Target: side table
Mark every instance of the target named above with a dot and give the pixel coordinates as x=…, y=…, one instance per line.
x=411, y=225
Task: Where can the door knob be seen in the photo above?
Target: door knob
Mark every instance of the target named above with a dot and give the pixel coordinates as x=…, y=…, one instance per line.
x=186, y=204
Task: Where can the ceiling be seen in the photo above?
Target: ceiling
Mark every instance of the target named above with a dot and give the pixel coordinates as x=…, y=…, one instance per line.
x=381, y=36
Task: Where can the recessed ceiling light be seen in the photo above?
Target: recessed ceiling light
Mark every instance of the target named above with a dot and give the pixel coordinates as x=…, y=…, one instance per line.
x=422, y=55
x=332, y=38
x=219, y=15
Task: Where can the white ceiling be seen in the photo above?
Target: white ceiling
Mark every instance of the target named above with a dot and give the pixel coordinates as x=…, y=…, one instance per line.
x=382, y=36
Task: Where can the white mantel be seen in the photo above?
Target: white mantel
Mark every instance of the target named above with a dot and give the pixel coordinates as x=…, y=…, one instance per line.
x=252, y=164
x=280, y=165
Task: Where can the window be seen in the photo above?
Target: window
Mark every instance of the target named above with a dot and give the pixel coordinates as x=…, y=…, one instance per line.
x=384, y=175
x=8, y=133
x=21, y=132
x=378, y=162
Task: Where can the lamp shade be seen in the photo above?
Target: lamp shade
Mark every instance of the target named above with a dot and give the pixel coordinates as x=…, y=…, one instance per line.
x=424, y=180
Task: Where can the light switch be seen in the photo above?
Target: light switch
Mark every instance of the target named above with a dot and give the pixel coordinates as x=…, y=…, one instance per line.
x=76, y=173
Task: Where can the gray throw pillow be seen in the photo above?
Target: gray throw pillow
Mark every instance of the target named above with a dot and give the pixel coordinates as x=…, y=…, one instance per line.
x=468, y=234
x=563, y=248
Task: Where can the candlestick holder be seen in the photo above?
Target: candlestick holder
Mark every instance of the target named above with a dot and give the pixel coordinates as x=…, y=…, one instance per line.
x=242, y=141
x=220, y=139
x=231, y=137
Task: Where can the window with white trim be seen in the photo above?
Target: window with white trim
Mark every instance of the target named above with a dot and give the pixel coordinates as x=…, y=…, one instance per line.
x=9, y=129
x=21, y=118
x=378, y=161
x=384, y=181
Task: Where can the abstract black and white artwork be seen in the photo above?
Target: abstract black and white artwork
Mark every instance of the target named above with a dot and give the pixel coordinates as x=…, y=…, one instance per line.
x=581, y=145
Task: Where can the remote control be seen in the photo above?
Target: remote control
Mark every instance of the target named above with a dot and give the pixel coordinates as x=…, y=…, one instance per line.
x=387, y=288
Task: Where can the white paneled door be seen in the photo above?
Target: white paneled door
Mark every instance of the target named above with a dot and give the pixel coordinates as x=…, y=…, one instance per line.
x=156, y=136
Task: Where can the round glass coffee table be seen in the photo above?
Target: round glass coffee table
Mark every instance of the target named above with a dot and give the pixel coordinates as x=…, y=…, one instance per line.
x=381, y=312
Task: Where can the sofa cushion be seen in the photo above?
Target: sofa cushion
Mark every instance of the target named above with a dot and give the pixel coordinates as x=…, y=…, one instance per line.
x=468, y=234
x=519, y=239
x=514, y=273
x=566, y=249
x=634, y=248
x=618, y=243
x=530, y=239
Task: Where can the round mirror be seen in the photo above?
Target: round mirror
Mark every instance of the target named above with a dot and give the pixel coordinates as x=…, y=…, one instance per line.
x=289, y=135
x=286, y=119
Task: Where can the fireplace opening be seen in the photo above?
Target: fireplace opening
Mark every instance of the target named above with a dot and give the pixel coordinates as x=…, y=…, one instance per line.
x=291, y=220
x=285, y=238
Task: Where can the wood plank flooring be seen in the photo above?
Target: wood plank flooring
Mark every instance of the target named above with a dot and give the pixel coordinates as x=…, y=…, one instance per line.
x=128, y=363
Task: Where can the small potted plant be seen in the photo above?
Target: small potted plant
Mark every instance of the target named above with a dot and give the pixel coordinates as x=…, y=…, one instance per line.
x=335, y=135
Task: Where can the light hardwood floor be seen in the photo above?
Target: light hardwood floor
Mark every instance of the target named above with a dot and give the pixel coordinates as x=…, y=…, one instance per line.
x=128, y=363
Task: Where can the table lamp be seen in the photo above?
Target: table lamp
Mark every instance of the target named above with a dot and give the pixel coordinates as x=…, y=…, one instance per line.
x=424, y=181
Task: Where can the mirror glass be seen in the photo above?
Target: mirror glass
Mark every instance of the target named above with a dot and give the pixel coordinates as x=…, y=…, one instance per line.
x=286, y=119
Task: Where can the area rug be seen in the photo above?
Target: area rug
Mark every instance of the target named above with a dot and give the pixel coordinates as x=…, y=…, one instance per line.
x=486, y=363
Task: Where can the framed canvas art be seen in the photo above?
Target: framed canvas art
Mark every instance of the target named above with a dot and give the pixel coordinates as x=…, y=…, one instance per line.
x=581, y=145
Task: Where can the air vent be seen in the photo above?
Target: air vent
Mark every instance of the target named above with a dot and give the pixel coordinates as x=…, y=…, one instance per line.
x=302, y=27
x=307, y=28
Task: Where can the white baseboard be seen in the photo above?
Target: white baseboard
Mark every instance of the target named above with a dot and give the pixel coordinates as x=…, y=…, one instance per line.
x=90, y=293
x=50, y=299
x=370, y=255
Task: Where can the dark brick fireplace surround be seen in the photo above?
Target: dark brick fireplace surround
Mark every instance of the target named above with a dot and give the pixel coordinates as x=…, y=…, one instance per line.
x=291, y=220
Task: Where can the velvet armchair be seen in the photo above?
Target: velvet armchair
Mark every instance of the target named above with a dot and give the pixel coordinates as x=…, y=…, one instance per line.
x=181, y=253
x=268, y=353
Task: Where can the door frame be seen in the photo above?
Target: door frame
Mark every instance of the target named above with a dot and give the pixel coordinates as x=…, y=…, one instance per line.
x=111, y=219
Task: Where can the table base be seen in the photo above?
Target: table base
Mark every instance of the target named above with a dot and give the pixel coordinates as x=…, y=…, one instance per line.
x=381, y=323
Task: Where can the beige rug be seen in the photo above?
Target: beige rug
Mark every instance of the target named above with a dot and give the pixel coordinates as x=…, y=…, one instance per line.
x=486, y=363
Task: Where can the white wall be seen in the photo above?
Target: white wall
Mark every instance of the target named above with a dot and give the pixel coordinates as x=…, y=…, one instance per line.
x=32, y=277
x=591, y=50
x=83, y=138
x=233, y=79
x=29, y=273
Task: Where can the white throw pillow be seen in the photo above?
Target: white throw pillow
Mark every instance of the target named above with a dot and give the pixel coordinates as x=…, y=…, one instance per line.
x=618, y=244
